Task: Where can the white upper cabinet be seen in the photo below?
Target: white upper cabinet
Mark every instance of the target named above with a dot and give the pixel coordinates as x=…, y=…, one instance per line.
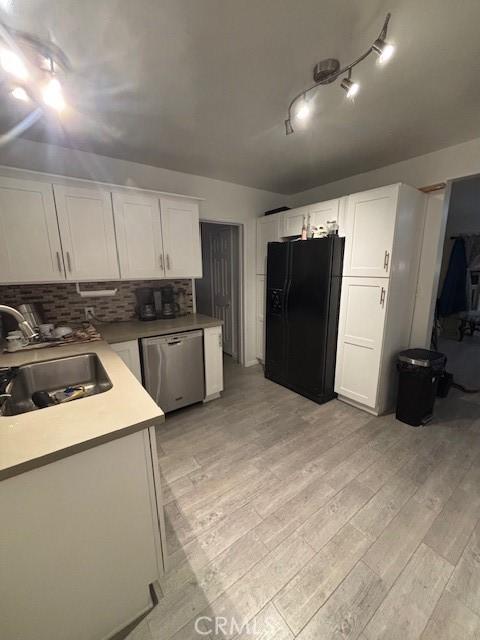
x=139, y=235
x=269, y=229
x=181, y=238
x=30, y=249
x=85, y=219
x=294, y=220
x=360, y=338
x=324, y=212
x=370, y=227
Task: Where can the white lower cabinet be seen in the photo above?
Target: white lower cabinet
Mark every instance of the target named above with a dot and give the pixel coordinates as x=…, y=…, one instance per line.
x=360, y=338
x=81, y=542
x=213, y=354
x=130, y=354
x=260, y=318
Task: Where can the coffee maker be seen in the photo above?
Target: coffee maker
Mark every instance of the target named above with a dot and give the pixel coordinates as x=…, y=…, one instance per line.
x=165, y=305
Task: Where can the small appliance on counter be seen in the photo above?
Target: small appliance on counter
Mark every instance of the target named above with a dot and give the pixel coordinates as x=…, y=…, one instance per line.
x=145, y=303
x=165, y=304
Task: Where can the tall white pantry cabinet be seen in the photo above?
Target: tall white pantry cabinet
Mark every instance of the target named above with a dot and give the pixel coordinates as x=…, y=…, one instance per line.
x=383, y=235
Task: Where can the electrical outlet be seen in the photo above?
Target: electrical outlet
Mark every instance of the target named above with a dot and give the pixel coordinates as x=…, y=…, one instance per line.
x=89, y=313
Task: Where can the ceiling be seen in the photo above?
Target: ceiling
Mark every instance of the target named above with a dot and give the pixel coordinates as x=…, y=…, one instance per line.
x=202, y=86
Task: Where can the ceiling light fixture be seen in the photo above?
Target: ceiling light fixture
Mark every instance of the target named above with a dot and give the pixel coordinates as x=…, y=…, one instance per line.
x=39, y=65
x=352, y=88
x=20, y=94
x=303, y=111
x=53, y=96
x=384, y=49
x=328, y=70
x=13, y=64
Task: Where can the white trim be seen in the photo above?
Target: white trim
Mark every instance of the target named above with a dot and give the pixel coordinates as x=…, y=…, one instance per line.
x=242, y=320
x=54, y=177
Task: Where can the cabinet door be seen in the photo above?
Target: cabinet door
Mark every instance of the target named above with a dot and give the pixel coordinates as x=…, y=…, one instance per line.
x=260, y=318
x=360, y=338
x=85, y=219
x=294, y=220
x=324, y=212
x=181, y=238
x=370, y=226
x=30, y=249
x=213, y=353
x=139, y=235
x=268, y=230
x=130, y=354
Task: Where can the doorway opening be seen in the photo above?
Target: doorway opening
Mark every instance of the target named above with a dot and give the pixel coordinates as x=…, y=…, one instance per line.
x=456, y=331
x=218, y=291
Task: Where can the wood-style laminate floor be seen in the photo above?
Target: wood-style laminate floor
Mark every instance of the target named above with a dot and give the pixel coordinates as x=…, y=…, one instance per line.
x=291, y=520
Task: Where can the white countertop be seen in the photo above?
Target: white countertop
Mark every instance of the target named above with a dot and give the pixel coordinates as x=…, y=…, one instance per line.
x=133, y=329
x=36, y=438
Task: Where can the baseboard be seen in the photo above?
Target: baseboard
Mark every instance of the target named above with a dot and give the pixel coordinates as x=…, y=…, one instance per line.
x=358, y=405
x=252, y=363
x=212, y=396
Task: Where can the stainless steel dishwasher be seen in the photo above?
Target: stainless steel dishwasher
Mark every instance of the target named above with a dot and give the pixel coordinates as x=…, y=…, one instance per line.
x=173, y=369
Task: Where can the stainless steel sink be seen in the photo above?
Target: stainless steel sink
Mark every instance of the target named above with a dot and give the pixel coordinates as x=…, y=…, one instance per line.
x=54, y=376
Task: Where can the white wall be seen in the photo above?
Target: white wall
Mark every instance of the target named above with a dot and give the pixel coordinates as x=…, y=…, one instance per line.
x=224, y=201
x=451, y=162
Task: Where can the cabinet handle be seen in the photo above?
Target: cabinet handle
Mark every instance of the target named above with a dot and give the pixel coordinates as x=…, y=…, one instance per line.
x=382, y=297
x=161, y=262
x=69, y=262
x=386, y=260
x=220, y=342
x=168, y=262
x=59, y=262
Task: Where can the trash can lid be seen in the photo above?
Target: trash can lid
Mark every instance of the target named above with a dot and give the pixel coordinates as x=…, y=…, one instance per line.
x=422, y=357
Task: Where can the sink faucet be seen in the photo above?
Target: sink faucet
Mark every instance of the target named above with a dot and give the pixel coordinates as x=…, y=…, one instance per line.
x=23, y=325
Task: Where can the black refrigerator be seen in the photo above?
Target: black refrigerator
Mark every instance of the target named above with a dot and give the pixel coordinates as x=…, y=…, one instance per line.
x=304, y=280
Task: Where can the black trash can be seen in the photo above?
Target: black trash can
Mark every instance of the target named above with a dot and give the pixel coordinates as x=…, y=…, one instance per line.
x=419, y=373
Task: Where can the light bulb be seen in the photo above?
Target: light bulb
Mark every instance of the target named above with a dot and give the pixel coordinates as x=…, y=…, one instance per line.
x=352, y=88
x=386, y=54
x=385, y=50
x=53, y=96
x=20, y=94
x=303, y=111
x=12, y=63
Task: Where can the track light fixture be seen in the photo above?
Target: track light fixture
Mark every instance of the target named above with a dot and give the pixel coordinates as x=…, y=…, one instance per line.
x=352, y=88
x=328, y=70
x=32, y=69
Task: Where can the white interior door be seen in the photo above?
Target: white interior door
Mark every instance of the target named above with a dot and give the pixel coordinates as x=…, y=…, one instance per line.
x=30, y=249
x=181, y=238
x=370, y=227
x=139, y=235
x=360, y=338
x=85, y=219
x=222, y=285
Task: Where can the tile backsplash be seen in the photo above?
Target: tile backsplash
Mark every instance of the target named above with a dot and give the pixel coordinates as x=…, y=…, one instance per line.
x=62, y=304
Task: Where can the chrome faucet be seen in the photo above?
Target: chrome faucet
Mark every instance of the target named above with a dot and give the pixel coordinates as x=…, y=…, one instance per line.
x=23, y=325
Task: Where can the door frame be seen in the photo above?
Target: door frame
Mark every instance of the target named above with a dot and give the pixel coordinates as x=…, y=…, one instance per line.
x=241, y=319
x=422, y=329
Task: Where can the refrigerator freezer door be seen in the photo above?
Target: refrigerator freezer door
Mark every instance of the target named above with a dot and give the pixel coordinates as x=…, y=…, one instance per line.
x=275, y=345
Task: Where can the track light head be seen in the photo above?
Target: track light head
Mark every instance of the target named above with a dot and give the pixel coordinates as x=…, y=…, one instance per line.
x=288, y=127
x=352, y=88
x=385, y=50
